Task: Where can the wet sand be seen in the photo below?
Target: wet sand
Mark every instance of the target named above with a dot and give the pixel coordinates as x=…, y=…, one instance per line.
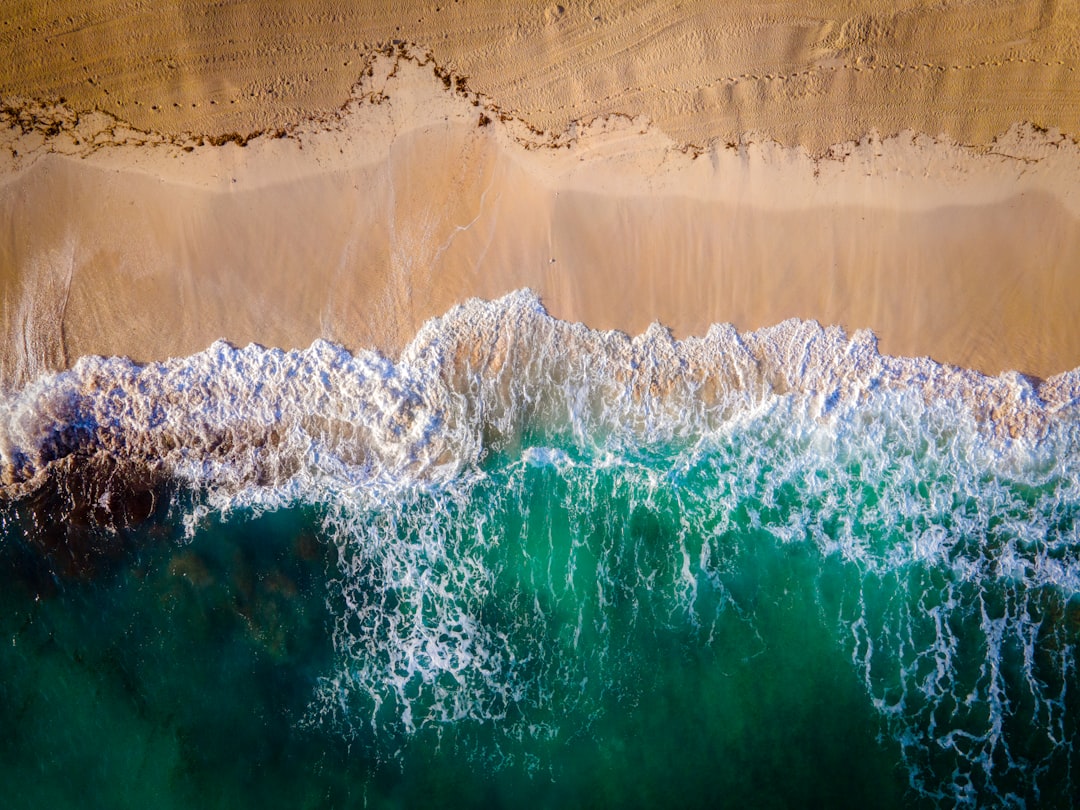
x=153, y=234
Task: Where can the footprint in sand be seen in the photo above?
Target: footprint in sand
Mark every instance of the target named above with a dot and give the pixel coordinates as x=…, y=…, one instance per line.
x=554, y=13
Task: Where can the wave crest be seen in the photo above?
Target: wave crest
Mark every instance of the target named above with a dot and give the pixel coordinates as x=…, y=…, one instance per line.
x=471, y=382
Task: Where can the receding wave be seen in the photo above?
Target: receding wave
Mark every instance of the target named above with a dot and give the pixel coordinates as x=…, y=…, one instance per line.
x=472, y=382
x=534, y=523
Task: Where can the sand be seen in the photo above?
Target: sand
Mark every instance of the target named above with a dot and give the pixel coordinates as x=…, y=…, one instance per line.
x=911, y=171
x=811, y=72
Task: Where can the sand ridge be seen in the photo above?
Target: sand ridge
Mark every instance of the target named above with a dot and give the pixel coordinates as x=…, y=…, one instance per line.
x=613, y=153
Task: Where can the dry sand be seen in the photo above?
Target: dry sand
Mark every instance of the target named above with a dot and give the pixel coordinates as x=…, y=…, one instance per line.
x=809, y=72
x=157, y=224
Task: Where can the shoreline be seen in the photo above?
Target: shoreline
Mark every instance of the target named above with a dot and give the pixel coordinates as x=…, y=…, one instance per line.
x=417, y=197
x=461, y=390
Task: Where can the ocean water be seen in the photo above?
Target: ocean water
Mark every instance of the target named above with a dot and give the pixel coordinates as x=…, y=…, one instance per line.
x=537, y=565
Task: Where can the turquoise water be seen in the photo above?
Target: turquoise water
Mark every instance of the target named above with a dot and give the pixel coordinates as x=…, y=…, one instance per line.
x=858, y=602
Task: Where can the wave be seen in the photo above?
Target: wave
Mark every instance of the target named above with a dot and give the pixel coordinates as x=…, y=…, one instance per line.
x=940, y=505
x=271, y=425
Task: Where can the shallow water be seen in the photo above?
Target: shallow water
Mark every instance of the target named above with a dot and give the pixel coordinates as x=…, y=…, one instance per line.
x=579, y=572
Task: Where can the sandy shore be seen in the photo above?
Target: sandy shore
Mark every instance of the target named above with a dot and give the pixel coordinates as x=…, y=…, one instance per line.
x=357, y=223
x=804, y=72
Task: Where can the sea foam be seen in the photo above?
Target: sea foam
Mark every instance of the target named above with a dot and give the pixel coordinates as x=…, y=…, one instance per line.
x=946, y=501
x=238, y=419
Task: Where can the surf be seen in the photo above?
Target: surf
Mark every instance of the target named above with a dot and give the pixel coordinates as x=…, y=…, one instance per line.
x=542, y=533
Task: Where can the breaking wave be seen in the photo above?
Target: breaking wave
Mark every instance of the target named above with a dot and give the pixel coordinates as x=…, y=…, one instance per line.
x=524, y=510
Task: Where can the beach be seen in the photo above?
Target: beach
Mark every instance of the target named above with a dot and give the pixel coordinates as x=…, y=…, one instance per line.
x=510, y=404
x=369, y=201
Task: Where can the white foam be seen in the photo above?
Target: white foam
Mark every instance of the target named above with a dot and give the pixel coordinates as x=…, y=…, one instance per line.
x=267, y=425
x=912, y=474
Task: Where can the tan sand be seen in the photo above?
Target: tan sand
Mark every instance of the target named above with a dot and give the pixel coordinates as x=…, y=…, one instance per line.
x=365, y=221
x=808, y=72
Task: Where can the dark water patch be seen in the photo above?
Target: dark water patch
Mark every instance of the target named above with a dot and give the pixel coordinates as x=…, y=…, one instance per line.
x=176, y=680
x=88, y=516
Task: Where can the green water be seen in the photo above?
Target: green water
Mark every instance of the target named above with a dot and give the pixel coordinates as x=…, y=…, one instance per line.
x=754, y=621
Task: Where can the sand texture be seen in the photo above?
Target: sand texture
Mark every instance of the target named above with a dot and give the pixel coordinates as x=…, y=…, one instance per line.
x=813, y=72
x=277, y=173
